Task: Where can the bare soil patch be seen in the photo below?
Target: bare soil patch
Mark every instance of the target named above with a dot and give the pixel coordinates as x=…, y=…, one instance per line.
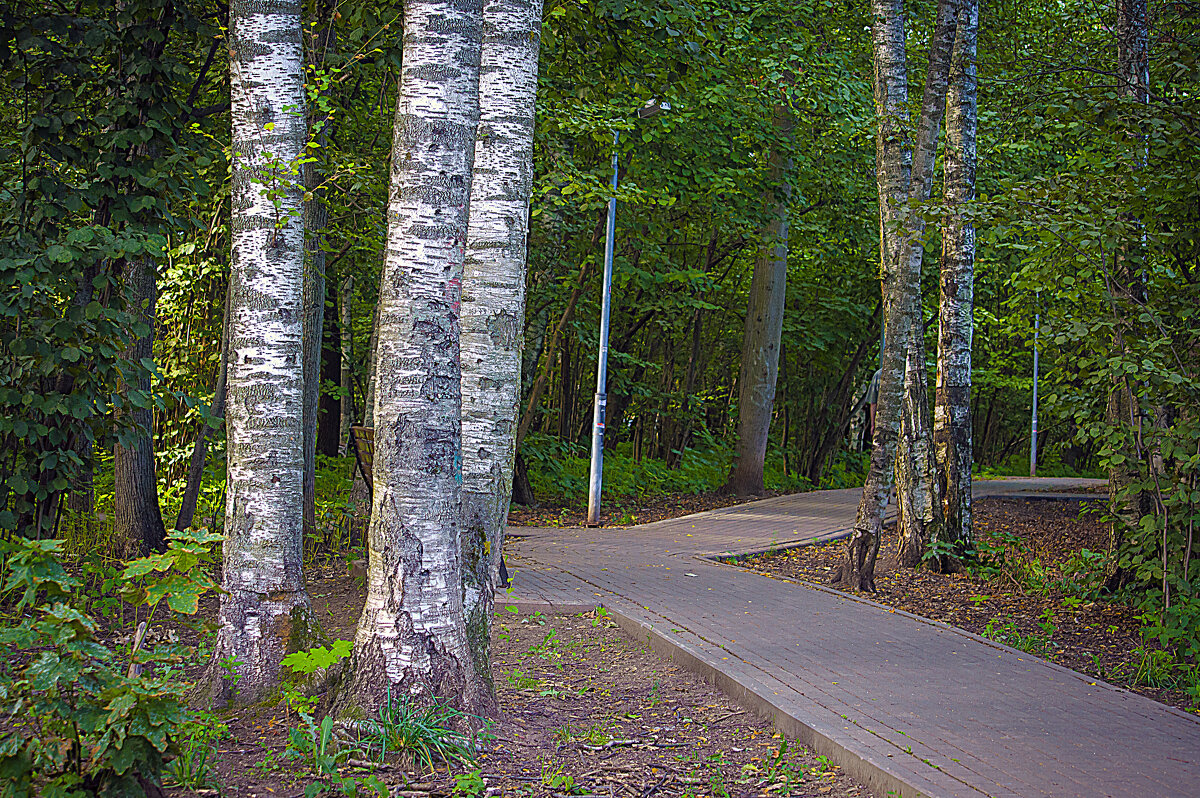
x=585, y=710
x=1025, y=605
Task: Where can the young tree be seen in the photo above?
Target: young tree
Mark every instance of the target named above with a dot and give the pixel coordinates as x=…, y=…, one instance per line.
x=1129, y=503
x=346, y=349
x=905, y=173
x=918, y=507
x=265, y=611
x=952, y=397
x=411, y=637
x=321, y=42
x=494, y=300
x=764, y=328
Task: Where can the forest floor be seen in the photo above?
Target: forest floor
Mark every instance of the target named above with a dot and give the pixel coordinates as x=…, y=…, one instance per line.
x=584, y=710
x=1040, y=555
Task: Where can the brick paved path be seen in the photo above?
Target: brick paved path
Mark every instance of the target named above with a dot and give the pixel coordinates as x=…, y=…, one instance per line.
x=909, y=706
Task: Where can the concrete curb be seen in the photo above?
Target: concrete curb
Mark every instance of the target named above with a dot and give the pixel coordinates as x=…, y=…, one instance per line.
x=840, y=748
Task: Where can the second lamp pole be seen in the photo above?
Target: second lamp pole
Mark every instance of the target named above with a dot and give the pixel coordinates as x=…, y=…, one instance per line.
x=596, y=472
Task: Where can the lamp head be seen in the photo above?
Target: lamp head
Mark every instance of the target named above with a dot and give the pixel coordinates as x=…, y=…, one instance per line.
x=653, y=108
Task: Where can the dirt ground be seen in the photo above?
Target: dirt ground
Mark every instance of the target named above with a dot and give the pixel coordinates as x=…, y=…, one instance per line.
x=585, y=710
x=1025, y=604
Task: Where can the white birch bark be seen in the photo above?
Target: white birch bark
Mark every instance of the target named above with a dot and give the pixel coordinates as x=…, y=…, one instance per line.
x=494, y=300
x=411, y=637
x=265, y=612
x=956, y=328
x=893, y=167
x=919, y=509
x=905, y=172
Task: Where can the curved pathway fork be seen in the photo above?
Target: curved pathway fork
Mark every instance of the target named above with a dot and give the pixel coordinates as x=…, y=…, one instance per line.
x=906, y=705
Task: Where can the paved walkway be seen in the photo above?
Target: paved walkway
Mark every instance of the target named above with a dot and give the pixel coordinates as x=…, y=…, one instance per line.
x=908, y=706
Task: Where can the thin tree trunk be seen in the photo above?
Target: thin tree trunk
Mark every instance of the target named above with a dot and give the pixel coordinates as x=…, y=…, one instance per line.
x=191, y=492
x=952, y=399
x=764, y=329
x=412, y=638
x=345, y=320
x=368, y=416
x=893, y=166
x=81, y=500
x=901, y=386
x=1129, y=505
x=494, y=301
x=316, y=217
x=841, y=401
x=329, y=407
x=918, y=507
x=137, y=518
x=265, y=611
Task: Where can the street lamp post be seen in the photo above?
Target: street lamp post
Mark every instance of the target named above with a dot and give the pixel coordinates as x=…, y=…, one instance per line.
x=1033, y=430
x=596, y=473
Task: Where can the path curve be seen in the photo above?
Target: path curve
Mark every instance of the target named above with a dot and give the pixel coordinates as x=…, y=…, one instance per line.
x=907, y=705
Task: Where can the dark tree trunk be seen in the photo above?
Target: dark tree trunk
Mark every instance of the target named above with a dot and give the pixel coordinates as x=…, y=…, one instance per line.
x=1124, y=411
x=204, y=431
x=329, y=418
x=316, y=218
x=137, y=518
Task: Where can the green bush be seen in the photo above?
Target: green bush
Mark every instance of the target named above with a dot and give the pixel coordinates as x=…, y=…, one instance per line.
x=88, y=719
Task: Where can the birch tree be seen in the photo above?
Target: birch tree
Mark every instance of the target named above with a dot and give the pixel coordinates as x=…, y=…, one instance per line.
x=901, y=178
x=494, y=299
x=952, y=396
x=764, y=328
x=411, y=638
x=919, y=510
x=264, y=612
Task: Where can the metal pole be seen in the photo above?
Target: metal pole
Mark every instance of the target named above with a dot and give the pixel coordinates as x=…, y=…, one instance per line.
x=1033, y=434
x=596, y=477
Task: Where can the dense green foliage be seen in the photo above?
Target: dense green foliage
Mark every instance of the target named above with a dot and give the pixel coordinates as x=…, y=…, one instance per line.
x=115, y=139
x=83, y=717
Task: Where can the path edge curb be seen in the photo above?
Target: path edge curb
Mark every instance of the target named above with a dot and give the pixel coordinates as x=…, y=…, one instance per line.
x=878, y=779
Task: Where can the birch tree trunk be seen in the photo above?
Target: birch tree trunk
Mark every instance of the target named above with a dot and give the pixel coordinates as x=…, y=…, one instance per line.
x=494, y=301
x=411, y=638
x=956, y=328
x=137, y=519
x=919, y=511
x=265, y=612
x=893, y=168
x=764, y=329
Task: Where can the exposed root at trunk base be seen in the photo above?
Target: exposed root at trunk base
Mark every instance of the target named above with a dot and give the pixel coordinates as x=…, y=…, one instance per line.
x=857, y=571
